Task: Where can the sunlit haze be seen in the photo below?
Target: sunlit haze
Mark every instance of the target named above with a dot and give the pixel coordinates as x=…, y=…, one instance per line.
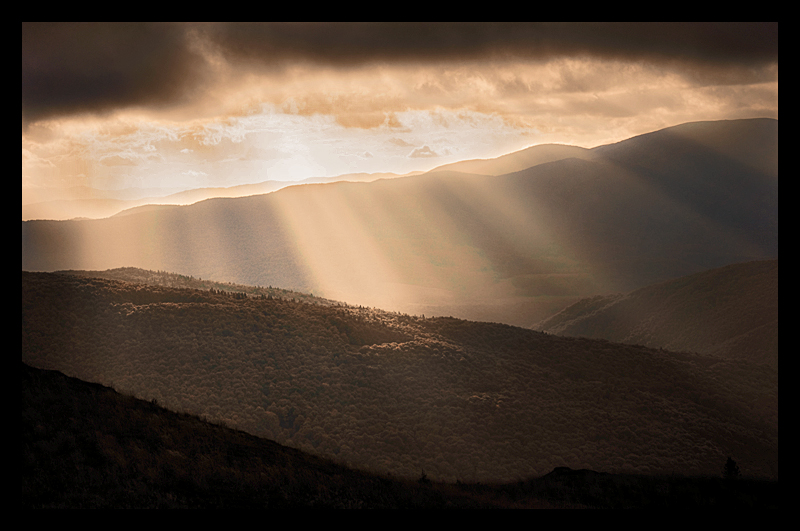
x=182, y=106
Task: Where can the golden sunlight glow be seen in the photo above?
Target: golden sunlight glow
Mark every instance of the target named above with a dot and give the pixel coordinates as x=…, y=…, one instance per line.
x=312, y=121
x=340, y=256
x=404, y=245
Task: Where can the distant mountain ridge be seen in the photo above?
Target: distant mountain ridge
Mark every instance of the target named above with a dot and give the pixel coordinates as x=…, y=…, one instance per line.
x=95, y=204
x=731, y=312
x=517, y=161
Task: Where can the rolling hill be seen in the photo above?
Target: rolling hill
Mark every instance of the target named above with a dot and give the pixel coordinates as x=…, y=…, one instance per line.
x=389, y=392
x=731, y=312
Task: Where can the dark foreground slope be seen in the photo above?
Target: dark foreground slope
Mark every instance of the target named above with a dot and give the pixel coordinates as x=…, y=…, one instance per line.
x=512, y=248
x=730, y=312
x=86, y=446
x=393, y=393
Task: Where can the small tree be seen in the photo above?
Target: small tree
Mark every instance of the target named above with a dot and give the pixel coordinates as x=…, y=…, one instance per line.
x=423, y=479
x=731, y=470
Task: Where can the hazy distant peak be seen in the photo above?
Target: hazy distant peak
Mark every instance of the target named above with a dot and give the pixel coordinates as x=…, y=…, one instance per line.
x=517, y=161
x=750, y=142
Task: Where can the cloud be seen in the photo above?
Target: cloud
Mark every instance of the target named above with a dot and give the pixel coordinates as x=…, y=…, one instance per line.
x=423, y=152
x=29, y=157
x=124, y=159
x=137, y=102
x=399, y=142
x=71, y=68
x=348, y=44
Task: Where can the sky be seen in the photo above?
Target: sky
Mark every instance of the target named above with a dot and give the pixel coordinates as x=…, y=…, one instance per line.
x=186, y=105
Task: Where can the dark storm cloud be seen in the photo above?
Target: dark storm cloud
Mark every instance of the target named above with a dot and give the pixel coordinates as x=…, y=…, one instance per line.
x=359, y=42
x=68, y=68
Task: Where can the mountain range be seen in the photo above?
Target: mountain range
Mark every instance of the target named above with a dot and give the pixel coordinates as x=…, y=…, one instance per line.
x=507, y=247
x=83, y=202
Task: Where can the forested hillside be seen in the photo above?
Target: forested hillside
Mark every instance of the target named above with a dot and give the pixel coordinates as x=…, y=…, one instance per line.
x=397, y=393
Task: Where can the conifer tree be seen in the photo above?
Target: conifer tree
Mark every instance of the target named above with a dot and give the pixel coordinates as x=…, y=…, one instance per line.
x=731, y=470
